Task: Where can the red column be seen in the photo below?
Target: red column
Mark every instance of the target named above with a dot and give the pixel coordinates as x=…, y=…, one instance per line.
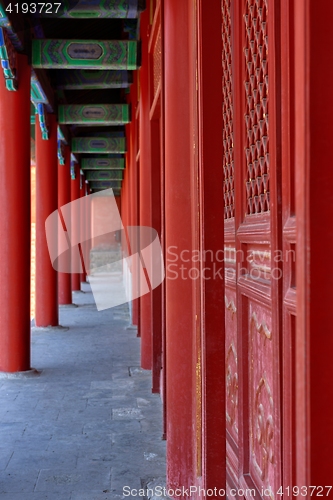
x=314, y=246
x=83, y=220
x=88, y=231
x=156, y=294
x=15, y=223
x=46, y=203
x=133, y=193
x=145, y=189
x=75, y=194
x=212, y=210
x=179, y=232
x=64, y=197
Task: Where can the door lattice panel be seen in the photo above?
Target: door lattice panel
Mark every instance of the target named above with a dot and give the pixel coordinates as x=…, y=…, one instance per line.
x=228, y=159
x=256, y=115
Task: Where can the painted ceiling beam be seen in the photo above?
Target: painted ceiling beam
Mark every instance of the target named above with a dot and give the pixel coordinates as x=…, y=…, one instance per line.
x=93, y=79
x=94, y=114
x=8, y=61
x=104, y=175
x=97, y=9
x=41, y=90
x=98, y=145
x=63, y=134
x=73, y=158
x=103, y=163
x=86, y=54
x=105, y=184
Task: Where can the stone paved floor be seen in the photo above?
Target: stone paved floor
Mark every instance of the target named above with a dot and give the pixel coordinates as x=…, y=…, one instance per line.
x=88, y=425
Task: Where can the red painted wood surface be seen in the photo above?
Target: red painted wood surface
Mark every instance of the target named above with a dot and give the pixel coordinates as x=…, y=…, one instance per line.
x=253, y=197
x=88, y=243
x=155, y=110
x=210, y=192
x=145, y=189
x=64, y=197
x=133, y=191
x=156, y=294
x=75, y=227
x=180, y=305
x=314, y=267
x=15, y=223
x=289, y=243
x=156, y=106
x=46, y=204
x=83, y=223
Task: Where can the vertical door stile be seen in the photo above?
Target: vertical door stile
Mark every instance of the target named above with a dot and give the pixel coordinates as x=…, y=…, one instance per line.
x=229, y=190
x=289, y=243
x=257, y=142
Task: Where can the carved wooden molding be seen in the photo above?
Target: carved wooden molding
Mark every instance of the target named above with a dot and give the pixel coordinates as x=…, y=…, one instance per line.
x=231, y=387
x=263, y=429
x=261, y=328
x=230, y=306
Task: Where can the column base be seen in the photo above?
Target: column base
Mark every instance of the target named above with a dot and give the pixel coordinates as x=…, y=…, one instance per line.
x=131, y=327
x=49, y=328
x=18, y=375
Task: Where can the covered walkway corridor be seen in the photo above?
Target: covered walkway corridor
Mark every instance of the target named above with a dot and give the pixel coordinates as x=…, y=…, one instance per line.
x=183, y=150
x=86, y=425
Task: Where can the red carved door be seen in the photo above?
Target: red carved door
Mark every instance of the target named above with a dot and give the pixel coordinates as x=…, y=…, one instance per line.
x=254, y=250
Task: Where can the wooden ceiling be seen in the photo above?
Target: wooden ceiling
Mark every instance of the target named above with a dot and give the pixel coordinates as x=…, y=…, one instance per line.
x=83, y=57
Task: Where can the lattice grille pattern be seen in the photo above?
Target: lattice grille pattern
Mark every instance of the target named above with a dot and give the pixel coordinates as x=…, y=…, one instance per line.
x=227, y=108
x=157, y=57
x=256, y=116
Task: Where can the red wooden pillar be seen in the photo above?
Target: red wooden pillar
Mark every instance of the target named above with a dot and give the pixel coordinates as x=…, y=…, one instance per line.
x=88, y=229
x=180, y=313
x=15, y=223
x=145, y=188
x=75, y=226
x=82, y=220
x=156, y=294
x=133, y=194
x=124, y=212
x=212, y=230
x=314, y=247
x=64, y=197
x=46, y=204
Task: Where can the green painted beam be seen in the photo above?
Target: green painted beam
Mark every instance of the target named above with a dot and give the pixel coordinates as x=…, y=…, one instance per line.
x=85, y=79
x=41, y=90
x=105, y=184
x=104, y=175
x=95, y=9
x=98, y=145
x=102, y=163
x=94, y=114
x=86, y=54
x=8, y=61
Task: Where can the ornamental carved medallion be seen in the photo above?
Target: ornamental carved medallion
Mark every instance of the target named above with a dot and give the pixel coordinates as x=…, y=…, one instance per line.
x=263, y=446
